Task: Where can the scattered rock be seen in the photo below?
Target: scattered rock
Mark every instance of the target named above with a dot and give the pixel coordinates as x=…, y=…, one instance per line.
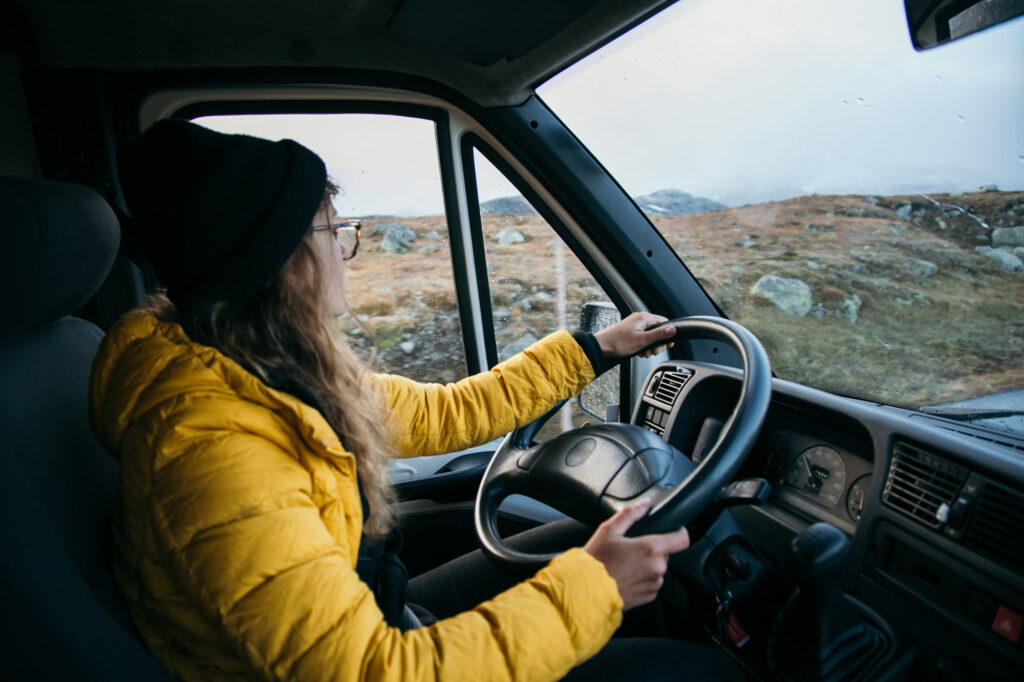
x=401, y=230
x=941, y=223
x=407, y=347
x=744, y=243
x=510, y=235
x=921, y=268
x=850, y=307
x=1008, y=236
x=393, y=243
x=872, y=200
x=903, y=211
x=791, y=296
x=818, y=229
x=430, y=248
x=432, y=236
x=1006, y=260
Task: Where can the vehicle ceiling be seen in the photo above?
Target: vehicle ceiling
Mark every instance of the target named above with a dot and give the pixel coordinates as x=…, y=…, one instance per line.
x=492, y=51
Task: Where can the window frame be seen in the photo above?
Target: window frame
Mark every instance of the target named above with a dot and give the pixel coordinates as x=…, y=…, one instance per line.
x=458, y=133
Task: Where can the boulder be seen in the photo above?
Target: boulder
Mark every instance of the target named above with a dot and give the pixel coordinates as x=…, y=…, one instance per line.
x=510, y=235
x=401, y=230
x=393, y=243
x=791, y=296
x=921, y=268
x=1008, y=236
x=1006, y=260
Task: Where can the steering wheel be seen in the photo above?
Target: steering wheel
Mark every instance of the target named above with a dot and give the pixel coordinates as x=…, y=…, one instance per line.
x=591, y=472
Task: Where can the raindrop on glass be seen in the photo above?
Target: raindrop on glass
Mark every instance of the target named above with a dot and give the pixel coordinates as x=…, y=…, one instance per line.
x=960, y=118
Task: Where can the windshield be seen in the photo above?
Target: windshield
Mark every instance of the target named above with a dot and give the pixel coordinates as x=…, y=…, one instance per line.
x=856, y=204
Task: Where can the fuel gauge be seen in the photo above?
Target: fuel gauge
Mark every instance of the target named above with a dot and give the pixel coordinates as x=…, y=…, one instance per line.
x=857, y=496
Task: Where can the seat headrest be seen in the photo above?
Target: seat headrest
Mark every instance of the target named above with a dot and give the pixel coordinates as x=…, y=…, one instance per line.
x=57, y=244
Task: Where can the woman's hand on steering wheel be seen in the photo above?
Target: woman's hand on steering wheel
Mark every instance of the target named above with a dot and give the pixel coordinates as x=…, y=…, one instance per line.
x=633, y=334
x=637, y=564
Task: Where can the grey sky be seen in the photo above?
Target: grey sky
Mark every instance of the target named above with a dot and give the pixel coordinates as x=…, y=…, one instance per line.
x=739, y=101
x=743, y=101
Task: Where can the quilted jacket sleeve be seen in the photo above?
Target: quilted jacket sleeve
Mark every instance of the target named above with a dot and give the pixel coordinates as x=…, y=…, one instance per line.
x=431, y=418
x=279, y=585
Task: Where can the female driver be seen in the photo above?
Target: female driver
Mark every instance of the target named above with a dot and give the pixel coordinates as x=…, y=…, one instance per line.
x=253, y=446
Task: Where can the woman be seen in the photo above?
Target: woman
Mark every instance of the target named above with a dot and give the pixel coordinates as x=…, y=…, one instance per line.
x=253, y=444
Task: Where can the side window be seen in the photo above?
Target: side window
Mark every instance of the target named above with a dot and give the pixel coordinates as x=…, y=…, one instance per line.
x=403, y=311
x=537, y=285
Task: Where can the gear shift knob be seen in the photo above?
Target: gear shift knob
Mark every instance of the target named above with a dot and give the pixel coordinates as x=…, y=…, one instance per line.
x=818, y=553
x=820, y=636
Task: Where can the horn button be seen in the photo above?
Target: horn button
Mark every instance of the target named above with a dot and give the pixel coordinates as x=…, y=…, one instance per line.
x=609, y=464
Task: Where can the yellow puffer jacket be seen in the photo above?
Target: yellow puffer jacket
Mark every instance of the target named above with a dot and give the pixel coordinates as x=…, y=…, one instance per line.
x=238, y=521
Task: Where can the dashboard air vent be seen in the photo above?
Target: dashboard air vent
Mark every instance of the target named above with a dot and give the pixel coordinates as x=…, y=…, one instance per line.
x=997, y=530
x=667, y=389
x=919, y=484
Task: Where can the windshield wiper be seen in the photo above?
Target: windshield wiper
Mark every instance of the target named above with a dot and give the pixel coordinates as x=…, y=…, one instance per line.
x=967, y=414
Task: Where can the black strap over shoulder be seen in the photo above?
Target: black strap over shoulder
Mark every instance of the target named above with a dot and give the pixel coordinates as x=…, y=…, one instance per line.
x=380, y=568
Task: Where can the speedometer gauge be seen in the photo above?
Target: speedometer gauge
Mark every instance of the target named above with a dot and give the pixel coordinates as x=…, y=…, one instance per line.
x=820, y=474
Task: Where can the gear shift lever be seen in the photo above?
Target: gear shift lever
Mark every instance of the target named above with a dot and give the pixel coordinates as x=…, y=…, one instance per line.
x=820, y=635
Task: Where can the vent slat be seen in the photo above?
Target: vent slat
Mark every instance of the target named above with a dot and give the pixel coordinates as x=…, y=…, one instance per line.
x=919, y=483
x=908, y=489
x=942, y=491
x=997, y=529
x=1003, y=520
x=669, y=386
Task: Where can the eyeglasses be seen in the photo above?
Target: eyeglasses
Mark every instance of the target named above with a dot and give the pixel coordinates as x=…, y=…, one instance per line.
x=346, y=233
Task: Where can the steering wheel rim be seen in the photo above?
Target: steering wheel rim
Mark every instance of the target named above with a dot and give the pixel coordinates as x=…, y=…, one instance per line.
x=509, y=471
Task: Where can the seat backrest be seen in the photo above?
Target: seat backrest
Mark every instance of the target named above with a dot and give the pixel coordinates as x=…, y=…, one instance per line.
x=62, y=613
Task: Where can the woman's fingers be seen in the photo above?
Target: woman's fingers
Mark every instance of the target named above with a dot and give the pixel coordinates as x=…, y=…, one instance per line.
x=620, y=522
x=664, y=544
x=637, y=564
x=633, y=334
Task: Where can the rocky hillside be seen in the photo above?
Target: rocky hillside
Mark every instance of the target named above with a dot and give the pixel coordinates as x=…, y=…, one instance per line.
x=910, y=299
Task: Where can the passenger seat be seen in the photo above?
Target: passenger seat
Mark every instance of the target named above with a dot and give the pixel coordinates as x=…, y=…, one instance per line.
x=62, y=615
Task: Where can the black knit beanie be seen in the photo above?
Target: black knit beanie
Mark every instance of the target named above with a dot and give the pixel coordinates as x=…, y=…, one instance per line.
x=218, y=215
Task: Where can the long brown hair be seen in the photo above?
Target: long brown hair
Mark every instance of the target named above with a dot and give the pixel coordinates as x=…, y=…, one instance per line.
x=287, y=331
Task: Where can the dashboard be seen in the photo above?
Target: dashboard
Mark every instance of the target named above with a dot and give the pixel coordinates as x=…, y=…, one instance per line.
x=934, y=508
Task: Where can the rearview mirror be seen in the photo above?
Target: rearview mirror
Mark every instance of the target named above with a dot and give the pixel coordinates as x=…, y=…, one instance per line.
x=603, y=392
x=934, y=22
